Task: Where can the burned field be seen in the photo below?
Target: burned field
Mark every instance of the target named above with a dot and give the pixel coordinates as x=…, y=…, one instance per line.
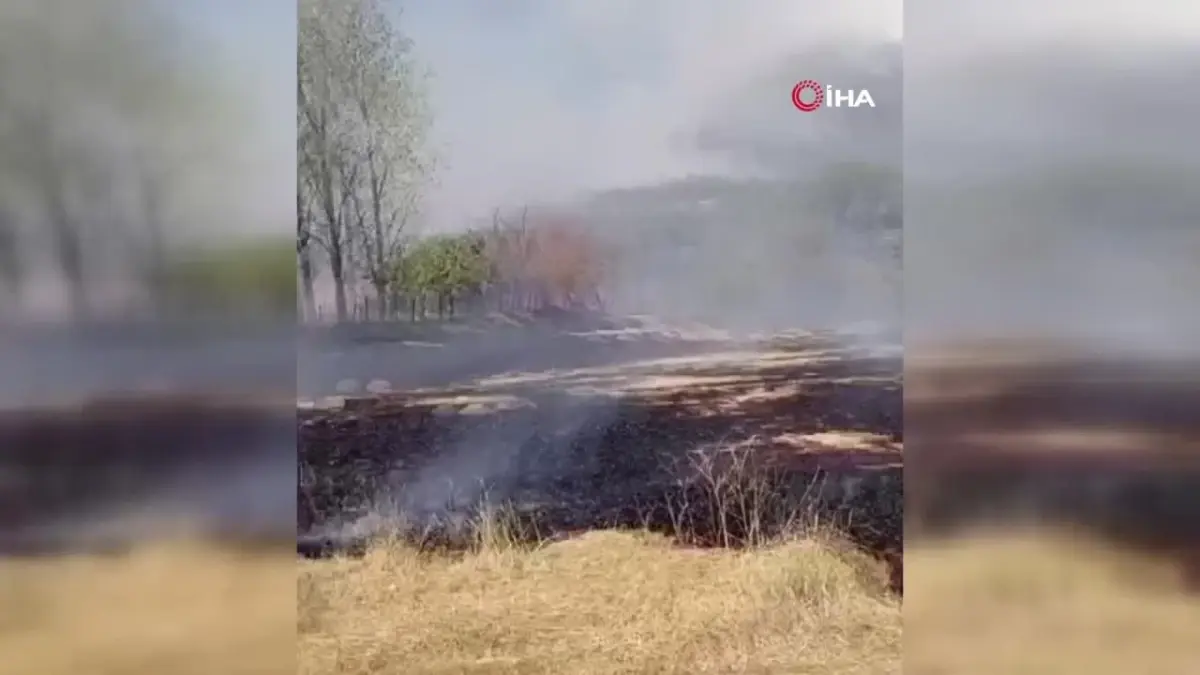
x=102, y=476
x=715, y=443
x=1095, y=444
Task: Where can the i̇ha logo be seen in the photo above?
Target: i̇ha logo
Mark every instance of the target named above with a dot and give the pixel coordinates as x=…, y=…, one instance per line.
x=809, y=95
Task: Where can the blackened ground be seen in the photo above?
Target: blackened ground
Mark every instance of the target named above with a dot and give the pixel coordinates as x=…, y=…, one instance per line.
x=441, y=353
x=566, y=462
x=104, y=475
x=1104, y=445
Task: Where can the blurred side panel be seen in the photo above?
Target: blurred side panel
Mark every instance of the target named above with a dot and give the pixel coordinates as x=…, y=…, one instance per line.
x=147, y=322
x=1052, y=408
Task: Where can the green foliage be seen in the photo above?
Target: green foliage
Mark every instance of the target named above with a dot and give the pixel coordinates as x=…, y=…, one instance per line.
x=445, y=265
x=258, y=275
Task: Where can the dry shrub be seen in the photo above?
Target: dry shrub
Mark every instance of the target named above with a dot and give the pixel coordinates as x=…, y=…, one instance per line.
x=725, y=497
x=551, y=261
x=569, y=261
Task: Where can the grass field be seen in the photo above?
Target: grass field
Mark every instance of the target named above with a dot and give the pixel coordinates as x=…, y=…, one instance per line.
x=1034, y=604
x=179, y=608
x=607, y=602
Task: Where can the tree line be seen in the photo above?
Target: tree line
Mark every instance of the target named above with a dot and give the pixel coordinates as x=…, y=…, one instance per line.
x=521, y=266
x=144, y=212
x=116, y=131
x=364, y=162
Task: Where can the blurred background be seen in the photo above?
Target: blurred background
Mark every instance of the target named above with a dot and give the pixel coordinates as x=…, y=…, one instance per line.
x=1052, y=473
x=147, y=312
x=149, y=295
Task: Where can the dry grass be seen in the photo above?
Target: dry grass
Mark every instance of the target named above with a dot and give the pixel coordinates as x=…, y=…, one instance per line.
x=606, y=602
x=1039, y=604
x=173, y=608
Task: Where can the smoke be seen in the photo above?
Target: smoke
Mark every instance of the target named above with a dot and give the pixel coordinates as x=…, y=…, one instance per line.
x=135, y=127
x=1049, y=181
x=668, y=129
x=564, y=103
x=541, y=100
x=519, y=463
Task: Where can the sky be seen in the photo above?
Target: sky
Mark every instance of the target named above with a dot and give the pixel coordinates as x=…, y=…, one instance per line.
x=543, y=96
x=539, y=99
x=1002, y=93
x=255, y=46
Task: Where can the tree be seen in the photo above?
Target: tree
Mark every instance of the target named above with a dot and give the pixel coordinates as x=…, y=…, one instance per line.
x=11, y=273
x=304, y=254
x=102, y=124
x=569, y=263
x=417, y=273
x=464, y=267
x=255, y=276
x=324, y=152
x=552, y=259
x=390, y=99
x=364, y=125
x=407, y=278
x=444, y=266
x=304, y=205
x=509, y=250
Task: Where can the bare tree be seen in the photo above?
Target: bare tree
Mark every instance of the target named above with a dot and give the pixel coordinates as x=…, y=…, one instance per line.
x=510, y=251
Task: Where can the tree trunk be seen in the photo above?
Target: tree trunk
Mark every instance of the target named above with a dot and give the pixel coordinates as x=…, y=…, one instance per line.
x=381, y=295
x=307, y=293
x=155, y=252
x=65, y=234
x=339, y=286
x=69, y=253
x=308, y=296
x=337, y=256
x=381, y=241
x=11, y=271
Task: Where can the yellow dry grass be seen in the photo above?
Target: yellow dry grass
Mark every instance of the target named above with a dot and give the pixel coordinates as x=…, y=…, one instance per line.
x=171, y=608
x=1045, y=604
x=606, y=602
